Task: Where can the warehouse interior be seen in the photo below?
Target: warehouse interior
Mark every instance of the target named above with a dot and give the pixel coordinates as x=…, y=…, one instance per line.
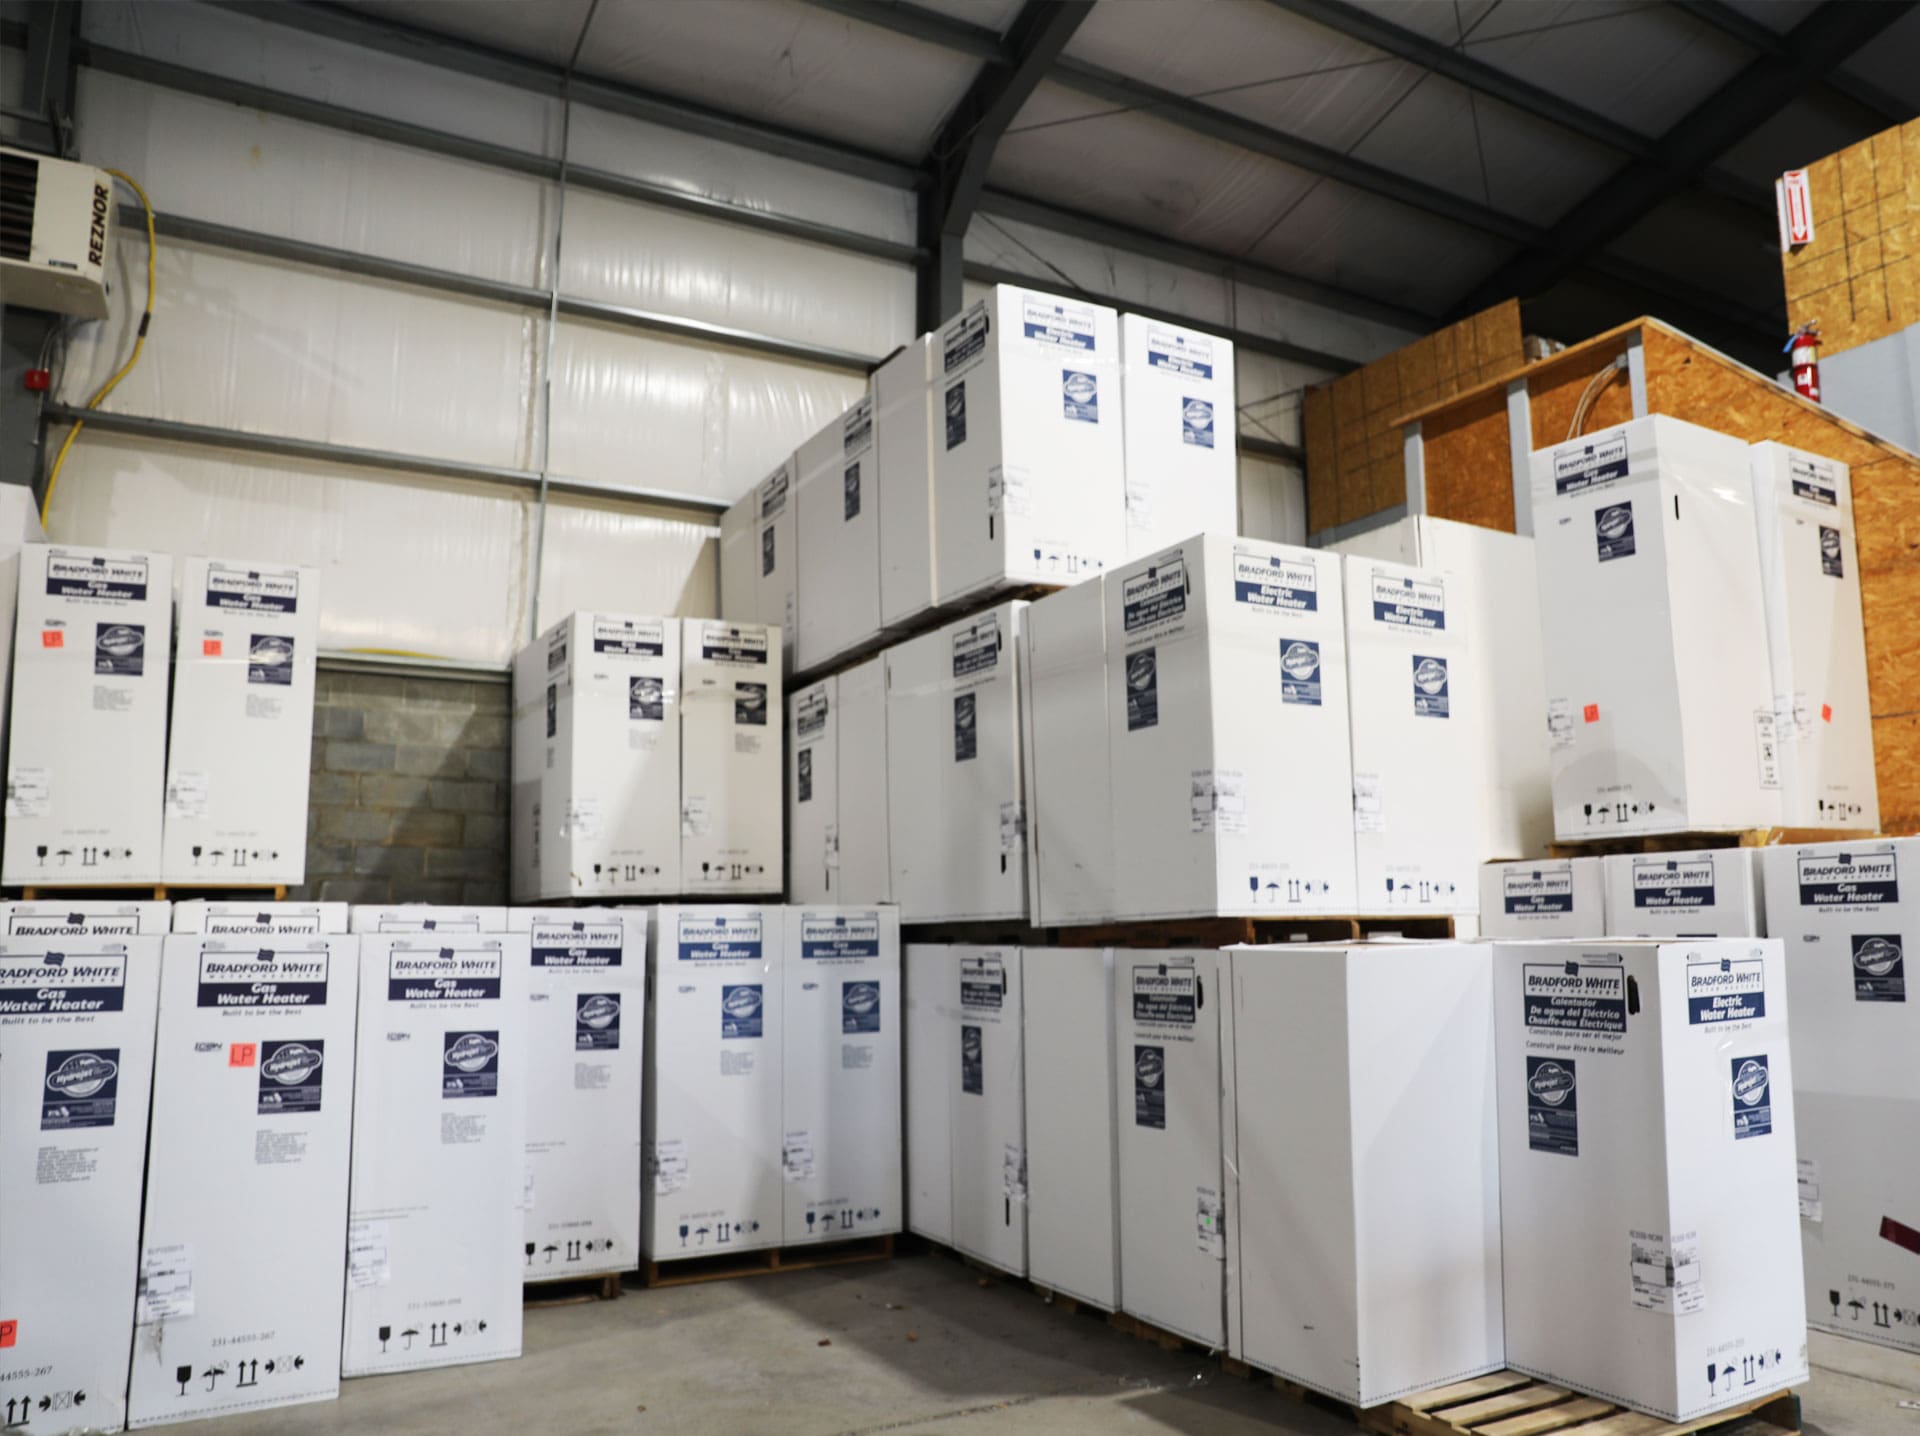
x=937, y=715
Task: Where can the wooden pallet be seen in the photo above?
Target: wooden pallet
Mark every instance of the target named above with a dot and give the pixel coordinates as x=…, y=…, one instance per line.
x=764, y=1261
x=154, y=892
x=1166, y=1340
x=1253, y=931
x=1509, y=1404
x=570, y=1290
x=1684, y=842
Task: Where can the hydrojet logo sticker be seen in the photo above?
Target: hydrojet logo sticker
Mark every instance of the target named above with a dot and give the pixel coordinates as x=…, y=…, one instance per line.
x=470, y=1066
x=1553, y=1115
x=270, y=660
x=1149, y=1086
x=1300, y=671
x=1430, y=697
x=972, y=1060
x=1752, y=1098
x=741, y=1013
x=82, y=1089
x=1196, y=423
x=646, y=699
x=966, y=733
x=803, y=776
x=596, y=1023
x=120, y=649
x=750, y=704
x=1879, y=968
x=956, y=414
x=1143, y=690
x=859, y=1007
x=1831, y=563
x=290, y=1076
x=1080, y=396
x=850, y=494
x=1613, y=531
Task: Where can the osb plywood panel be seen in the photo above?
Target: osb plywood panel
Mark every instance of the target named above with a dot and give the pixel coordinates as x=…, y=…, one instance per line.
x=1554, y=393
x=1469, y=463
x=1859, y=279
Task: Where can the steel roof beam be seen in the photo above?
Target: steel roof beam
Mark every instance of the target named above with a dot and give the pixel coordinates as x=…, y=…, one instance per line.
x=1718, y=15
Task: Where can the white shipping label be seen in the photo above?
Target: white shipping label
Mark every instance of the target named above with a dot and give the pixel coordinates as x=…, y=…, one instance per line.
x=1139, y=506
x=1369, y=808
x=1210, y=1223
x=582, y=819
x=1218, y=801
x=832, y=839
x=1766, y=747
x=1810, y=1205
x=1013, y=827
x=696, y=818
x=669, y=1160
x=1666, y=1274
x=166, y=1284
x=367, y=1244
x=526, y=1186
x=1013, y=1172
x=1009, y=491
x=187, y=794
x=796, y=1157
x=1559, y=723
x=28, y=791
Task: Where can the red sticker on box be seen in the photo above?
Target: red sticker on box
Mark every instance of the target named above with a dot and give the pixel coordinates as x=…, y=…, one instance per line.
x=1826, y=712
x=241, y=1054
x=209, y=648
x=8, y=1331
x=52, y=638
x=1591, y=712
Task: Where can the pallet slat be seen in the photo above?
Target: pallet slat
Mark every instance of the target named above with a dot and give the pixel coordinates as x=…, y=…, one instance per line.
x=1508, y=1403
x=1719, y=838
x=1475, y=1414
x=1470, y=1390
x=1553, y=1418
x=727, y=1267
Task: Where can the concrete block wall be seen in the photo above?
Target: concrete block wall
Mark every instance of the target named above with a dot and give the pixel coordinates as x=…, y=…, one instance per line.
x=410, y=790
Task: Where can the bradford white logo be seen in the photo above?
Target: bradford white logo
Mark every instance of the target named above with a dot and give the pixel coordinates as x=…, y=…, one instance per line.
x=81, y=1075
x=860, y=998
x=1302, y=660
x=121, y=640
x=741, y=1003
x=598, y=1012
x=292, y=1064
x=1613, y=523
x=472, y=1052
x=1551, y=1083
x=1877, y=956
x=1149, y=1066
x=1750, y=1083
x=1430, y=676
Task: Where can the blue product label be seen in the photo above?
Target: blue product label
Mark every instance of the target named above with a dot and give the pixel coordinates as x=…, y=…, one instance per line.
x=1553, y=1107
x=72, y=575
x=766, y=551
x=957, y=415
x=577, y=945
x=1196, y=423
x=646, y=699
x=1613, y=531
x=1814, y=479
x=290, y=1077
x=1582, y=466
x=62, y=982
x=627, y=638
x=239, y=590
x=983, y=983
x=553, y=710
x=270, y=659
x=725, y=643
x=1155, y=595
x=1079, y=396
x=1578, y=996
x=120, y=649
x=839, y=937
x=596, y=1022
x=1752, y=1097
x=1417, y=605
x=719, y=939
x=742, y=1010
x=973, y=1073
x=1274, y=583
x=1430, y=690
x=1149, y=1086
x=1848, y=880
x=1300, y=671
x=1730, y=989
x=859, y=1006
x=81, y=1088
x=1065, y=326
x=1529, y=891
x=976, y=648
x=1673, y=884
x=966, y=337
x=803, y=776
x=850, y=493
x=1189, y=355
x=966, y=734
x=470, y=1065
x=1165, y=994
x=1143, y=690
x=267, y=977
x=424, y=974
x=750, y=704
x=1832, y=557
x=1879, y=968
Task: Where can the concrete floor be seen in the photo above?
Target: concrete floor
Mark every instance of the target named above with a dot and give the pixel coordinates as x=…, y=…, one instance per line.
x=916, y=1345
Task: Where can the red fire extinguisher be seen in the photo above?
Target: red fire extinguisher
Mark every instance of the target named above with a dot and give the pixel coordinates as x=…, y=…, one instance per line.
x=1804, y=347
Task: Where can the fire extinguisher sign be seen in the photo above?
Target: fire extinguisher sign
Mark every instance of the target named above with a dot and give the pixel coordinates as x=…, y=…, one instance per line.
x=1795, y=202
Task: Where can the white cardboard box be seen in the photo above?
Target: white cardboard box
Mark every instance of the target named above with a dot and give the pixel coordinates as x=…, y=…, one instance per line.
x=813, y=791
x=1708, y=892
x=759, y=580
x=988, y=1106
x=837, y=537
x=1173, y=1031
x=740, y=560
x=245, y=1234
x=1369, y=1217
x=73, y=1147
x=86, y=761
x=1659, y=696
x=1182, y=434
x=1417, y=740
x=1062, y=651
x=286, y=919
x=1810, y=577
x=1543, y=897
x=840, y=1151
x=19, y=526
x=49, y=918
x=863, y=842
x=929, y=977
x=713, y=1085
x=596, y=759
x=1846, y=914
x=1029, y=466
x=731, y=812
x=425, y=917
x=953, y=749
x=436, y=1218
x=240, y=744
x=586, y=1025
x=1648, y=1212
x=903, y=452
x=1073, y=1180
x=1228, y=736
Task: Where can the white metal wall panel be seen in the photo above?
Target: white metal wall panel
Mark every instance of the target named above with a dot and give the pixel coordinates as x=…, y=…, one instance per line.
x=623, y=558
x=1273, y=501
